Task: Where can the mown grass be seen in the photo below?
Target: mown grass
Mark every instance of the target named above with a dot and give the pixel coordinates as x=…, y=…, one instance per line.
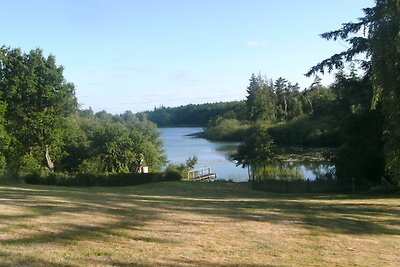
x=194, y=224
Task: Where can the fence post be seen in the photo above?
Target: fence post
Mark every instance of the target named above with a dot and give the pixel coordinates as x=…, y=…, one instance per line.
x=353, y=184
x=308, y=185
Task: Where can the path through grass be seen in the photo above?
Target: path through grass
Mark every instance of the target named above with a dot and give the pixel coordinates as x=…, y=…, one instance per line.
x=194, y=224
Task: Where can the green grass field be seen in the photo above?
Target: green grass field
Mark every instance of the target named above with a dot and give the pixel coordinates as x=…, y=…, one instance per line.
x=194, y=224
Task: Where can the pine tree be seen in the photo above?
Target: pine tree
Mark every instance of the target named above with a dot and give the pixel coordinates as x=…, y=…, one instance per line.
x=259, y=101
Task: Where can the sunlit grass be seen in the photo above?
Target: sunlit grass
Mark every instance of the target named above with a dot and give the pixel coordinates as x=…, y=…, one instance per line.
x=192, y=224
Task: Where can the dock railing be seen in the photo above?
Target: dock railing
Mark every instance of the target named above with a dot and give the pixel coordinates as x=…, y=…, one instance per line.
x=201, y=174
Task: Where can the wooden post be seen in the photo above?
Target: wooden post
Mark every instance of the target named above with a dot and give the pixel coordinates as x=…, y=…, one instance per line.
x=353, y=184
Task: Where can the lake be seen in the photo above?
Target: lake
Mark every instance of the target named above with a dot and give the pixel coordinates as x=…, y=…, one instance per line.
x=179, y=145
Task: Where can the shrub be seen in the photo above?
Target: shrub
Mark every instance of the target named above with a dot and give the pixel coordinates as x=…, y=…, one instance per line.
x=307, y=131
x=173, y=175
x=226, y=130
x=88, y=179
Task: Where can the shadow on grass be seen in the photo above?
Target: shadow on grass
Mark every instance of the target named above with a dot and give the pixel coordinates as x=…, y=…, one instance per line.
x=185, y=262
x=134, y=207
x=13, y=259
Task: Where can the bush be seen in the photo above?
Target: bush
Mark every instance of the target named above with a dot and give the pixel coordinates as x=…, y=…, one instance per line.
x=296, y=186
x=180, y=171
x=87, y=179
x=226, y=130
x=171, y=175
x=308, y=131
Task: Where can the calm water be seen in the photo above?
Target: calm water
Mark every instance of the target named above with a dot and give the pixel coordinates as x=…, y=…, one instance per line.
x=179, y=147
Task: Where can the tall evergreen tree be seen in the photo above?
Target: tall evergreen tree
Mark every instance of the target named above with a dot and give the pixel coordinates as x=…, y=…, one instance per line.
x=385, y=47
x=280, y=88
x=259, y=101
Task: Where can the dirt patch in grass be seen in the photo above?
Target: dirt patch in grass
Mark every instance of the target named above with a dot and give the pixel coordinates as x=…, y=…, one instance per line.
x=192, y=224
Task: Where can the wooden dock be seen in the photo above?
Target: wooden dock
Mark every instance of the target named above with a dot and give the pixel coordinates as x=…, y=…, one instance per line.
x=202, y=174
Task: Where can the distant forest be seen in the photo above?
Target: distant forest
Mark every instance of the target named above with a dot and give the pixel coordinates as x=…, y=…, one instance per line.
x=194, y=114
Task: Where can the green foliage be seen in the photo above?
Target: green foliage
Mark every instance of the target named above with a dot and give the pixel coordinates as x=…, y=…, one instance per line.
x=195, y=115
x=181, y=170
x=361, y=155
x=221, y=129
x=30, y=163
x=381, y=45
x=353, y=94
x=173, y=175
x=5, y=139
x=289, y=102
x=255, y=150
x=38, y=102
x=308, y=131
x=118, y=144
x=320, y=101
x=260, y=100
x=297, y=186
x=385, y=49
x=278, y=171
x=93, y=165
x=90, y=179
x=191, y=162
x=41, y=129
x=266, y=103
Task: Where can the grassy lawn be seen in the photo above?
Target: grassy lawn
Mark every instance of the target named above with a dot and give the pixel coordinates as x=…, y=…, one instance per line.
x=192, y=224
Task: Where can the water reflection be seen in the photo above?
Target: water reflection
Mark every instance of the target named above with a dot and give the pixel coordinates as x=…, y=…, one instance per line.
x=293, y=170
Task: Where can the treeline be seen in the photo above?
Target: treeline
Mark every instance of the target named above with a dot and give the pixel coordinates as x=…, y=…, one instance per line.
x=194, y=114
x=43, y=132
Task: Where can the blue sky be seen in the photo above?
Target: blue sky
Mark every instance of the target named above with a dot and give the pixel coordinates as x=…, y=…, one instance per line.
x=136, y=55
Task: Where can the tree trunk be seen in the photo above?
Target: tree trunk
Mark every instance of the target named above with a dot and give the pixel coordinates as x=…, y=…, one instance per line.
x=311, y=107
x=285, y=107
x=50, y=164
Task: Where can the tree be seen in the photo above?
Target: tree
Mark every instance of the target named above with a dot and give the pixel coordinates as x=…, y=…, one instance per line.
x=295, y=107
x=288, y=100
x=380, y=43
x=116, y=144
x=4, y=139
x=38, y=102
x=385, y=47
x=255, y=151
x=281, y=91
x=259, y=101
x=360, y=156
